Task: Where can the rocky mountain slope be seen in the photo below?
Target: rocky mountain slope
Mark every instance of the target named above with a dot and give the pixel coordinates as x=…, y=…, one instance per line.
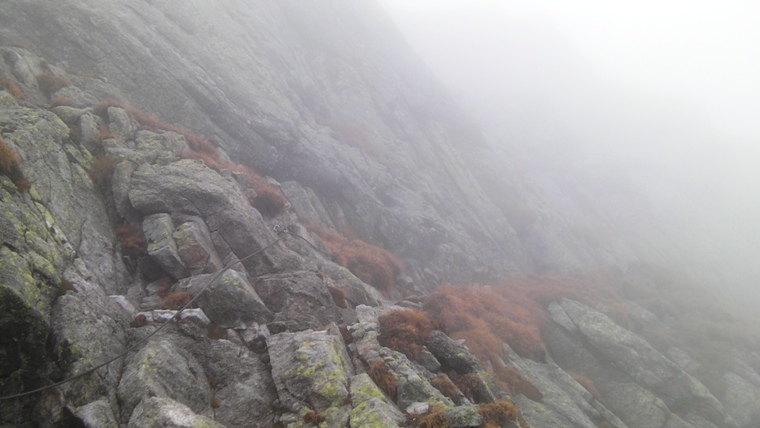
x=227, y=198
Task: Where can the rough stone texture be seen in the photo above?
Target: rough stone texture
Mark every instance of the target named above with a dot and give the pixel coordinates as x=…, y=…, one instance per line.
x=450, y=353
x=158, y=229
x=230, y=301
x=189, y=188
x=311, y=370
x=307, y=205
x=370, y=407
x=241, y=384
x=300, y=300
x=195, y=247
x=154, y=412
x=96, y=415
x=742, y=400
x=162, y=369
x=285, y=103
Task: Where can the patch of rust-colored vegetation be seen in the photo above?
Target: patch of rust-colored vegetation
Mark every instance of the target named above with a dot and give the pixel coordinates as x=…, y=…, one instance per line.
x=10, y=166
x=405, y=331
x=12, y=87
x=371, y=264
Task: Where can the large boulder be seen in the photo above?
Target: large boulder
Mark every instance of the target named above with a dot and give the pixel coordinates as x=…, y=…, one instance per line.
x=163, y=369
x=189, y=188
x=312, y=372
x=229, y=300
x=155, y=412
x=300, y=300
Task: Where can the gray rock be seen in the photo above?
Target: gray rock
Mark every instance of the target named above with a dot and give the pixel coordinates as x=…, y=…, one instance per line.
x=307, y=205
x=742, y=400
x=155, y=412
x=196, y=316
x=450, y=353
x=229, y=301
x=162, y=369
x=300, y=300
x=311, y=370
x=121, y=124
x=241, y=384
x=370, y=406
x=195, y=247
x=158, y=229
x=639, y=360
x=189, y=188
x=96, y=414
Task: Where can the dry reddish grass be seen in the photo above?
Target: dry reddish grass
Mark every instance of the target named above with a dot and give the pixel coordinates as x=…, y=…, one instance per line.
x=497, y=414
x=49, y=83
x=176, y=300
x=442, y=383
x=63, y=101
x=405, y=331
x=101, y=172
x=10, y=166
x=12, y=87
x=339, y=297
x=132, y=240
x=383, y=377
x=373, y=265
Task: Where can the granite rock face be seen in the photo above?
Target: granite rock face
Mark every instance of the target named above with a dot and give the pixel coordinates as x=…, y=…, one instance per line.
x=125, y=222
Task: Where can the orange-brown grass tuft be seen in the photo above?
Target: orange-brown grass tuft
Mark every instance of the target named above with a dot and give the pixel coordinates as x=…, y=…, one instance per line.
x=12, y=87
x=63, y=101
x=515, y=383
x=339, y=296
x=442, y=383
x=176, y=300
x=373, y=265
x=216, y=332
x=405, y=331
x=105, y=133
x=101, y=172
x=139, y=321
x=485, y=318
x=497, y=413
x=314, y=418
x=132, y=240
x=383, y=377
x=435, y=418
x=10, y=166
x=269, y=200
x=49, y=83
x=216, y=403
x=471, y=386
x=587, y=383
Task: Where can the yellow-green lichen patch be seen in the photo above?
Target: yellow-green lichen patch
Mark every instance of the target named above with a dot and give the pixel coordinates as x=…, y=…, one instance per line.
x=17, y=277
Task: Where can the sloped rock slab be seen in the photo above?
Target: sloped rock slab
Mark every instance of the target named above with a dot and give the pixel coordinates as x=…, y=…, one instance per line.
x=635, y=357
x=312, y=370
x=162, y=369
x=370, y=407
x=229, y=301
x=300, y=300
x=160, y=412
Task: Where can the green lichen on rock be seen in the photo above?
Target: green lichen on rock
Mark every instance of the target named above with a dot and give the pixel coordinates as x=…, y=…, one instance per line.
x=370, y=407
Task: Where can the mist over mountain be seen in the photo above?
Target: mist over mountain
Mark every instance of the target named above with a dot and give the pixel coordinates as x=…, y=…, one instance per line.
x=278, y=213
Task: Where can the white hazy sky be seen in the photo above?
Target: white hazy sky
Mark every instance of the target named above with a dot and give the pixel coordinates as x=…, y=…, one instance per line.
x=702, y=52
x=668, y=90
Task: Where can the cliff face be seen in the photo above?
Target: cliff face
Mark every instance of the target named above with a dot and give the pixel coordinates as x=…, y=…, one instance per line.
x=324, y=93
x=114, y=219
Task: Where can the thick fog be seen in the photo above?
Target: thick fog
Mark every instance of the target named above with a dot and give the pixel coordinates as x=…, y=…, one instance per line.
x=661, y=96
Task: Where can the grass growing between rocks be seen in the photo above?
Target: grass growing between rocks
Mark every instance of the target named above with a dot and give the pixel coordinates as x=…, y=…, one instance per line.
x=373, y=265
